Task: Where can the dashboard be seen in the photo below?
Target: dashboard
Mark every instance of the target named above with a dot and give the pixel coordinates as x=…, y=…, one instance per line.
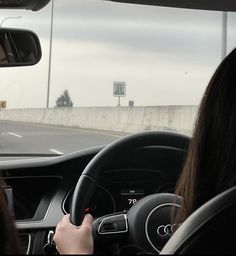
x=39, y=190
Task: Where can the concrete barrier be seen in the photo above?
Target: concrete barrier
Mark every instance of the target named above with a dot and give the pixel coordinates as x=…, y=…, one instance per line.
x=124, y=119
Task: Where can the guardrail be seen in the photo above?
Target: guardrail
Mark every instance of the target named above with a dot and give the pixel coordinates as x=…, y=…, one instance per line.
x=123, y=119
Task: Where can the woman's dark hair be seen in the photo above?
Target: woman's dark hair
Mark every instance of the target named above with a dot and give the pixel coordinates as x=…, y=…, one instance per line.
x=9, y=243
x=210, y=166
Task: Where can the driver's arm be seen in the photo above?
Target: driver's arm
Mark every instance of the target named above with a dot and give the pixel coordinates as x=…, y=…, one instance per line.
x=71, y=239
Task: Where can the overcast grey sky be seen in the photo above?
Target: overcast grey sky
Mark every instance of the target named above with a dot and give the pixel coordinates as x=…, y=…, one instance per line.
x=166, y=56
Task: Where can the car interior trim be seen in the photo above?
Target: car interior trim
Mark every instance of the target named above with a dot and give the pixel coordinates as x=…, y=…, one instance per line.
x=217, y=5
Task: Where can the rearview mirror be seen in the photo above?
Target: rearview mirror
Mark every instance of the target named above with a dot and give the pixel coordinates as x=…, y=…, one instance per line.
x=19, y=48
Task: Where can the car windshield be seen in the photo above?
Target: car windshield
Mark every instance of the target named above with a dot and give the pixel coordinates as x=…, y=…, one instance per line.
x=107, y=70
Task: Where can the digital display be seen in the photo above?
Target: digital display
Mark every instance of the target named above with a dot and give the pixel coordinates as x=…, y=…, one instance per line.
x=129, y=197
x=9, y=198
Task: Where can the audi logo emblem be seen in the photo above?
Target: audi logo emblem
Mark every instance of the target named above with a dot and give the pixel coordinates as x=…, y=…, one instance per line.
x=166, y=230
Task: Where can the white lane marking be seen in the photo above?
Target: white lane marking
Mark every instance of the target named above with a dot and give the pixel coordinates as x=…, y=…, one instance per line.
x=84, y=130
x=66, y=133
x=56, y=151
x=106, y=134
x=14, y=134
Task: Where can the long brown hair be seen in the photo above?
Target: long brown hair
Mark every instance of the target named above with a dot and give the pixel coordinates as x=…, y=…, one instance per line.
x=210, y=167
x=9, y=243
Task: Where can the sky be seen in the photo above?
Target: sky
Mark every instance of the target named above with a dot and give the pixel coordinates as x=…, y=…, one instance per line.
x=166, y=56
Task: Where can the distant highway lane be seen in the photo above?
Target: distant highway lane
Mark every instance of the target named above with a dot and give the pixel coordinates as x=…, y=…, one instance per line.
x=39, y=138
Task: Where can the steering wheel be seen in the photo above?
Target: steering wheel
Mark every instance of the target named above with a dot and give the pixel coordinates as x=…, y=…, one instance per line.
x=148, y=222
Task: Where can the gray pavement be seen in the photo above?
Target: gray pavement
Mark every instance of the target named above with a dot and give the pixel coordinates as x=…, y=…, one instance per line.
x=47, y=139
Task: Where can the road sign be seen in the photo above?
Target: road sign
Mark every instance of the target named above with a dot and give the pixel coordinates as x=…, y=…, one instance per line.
x=119, y=89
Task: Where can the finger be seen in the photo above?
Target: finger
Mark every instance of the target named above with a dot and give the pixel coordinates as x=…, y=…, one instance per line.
x=66, y=219
x=64, y=222
x=87, y=221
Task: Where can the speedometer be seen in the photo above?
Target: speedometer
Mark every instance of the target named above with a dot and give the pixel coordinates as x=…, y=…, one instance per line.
x=102, y=202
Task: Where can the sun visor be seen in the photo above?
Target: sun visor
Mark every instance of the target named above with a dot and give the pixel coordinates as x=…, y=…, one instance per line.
x=215, y=5
x=33, y=5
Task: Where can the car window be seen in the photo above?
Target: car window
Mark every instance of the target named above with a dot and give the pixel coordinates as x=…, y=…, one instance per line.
x=108, y=69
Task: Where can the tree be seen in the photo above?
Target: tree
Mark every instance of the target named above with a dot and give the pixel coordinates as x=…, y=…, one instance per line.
x=64, y=100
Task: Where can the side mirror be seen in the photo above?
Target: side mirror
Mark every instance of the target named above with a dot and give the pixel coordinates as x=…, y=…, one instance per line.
x=19, y=48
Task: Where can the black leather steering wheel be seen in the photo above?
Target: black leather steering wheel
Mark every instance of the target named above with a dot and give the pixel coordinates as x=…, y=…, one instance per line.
x=146, y=211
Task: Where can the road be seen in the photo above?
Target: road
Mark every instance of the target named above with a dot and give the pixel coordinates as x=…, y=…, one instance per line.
x=38, y=138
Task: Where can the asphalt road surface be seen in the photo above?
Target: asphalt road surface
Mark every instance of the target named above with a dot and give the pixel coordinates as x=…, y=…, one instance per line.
x=47, y=139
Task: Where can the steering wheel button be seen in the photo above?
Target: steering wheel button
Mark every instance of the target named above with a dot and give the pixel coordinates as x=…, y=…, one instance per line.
x=113, y=225
x=122, y=226
x=121, y=218
x=109, y=227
